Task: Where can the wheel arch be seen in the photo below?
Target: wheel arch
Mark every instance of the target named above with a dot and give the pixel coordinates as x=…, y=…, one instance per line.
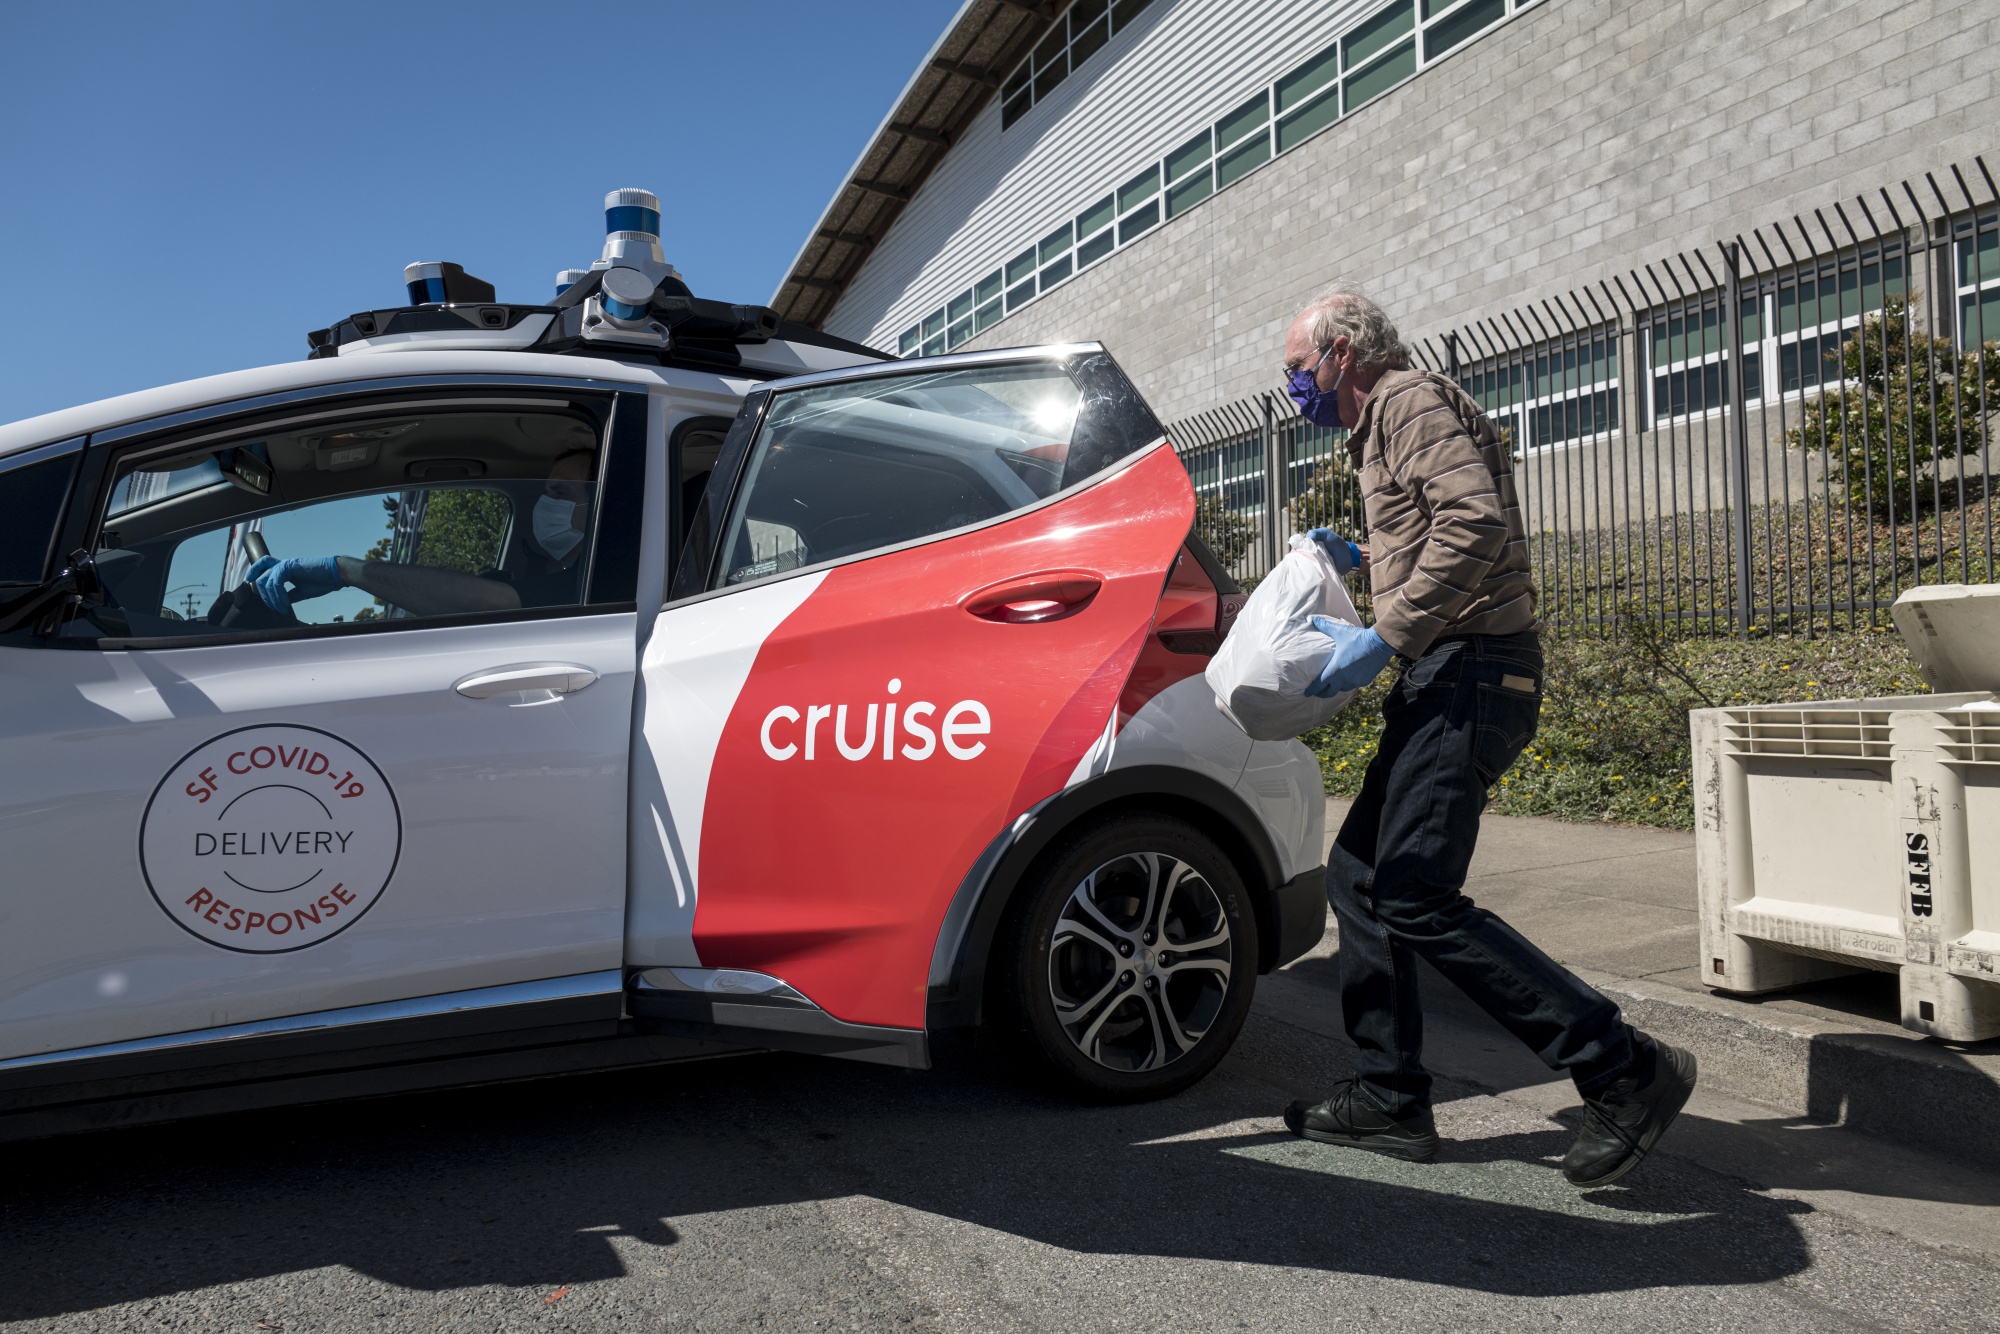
x=960, y=967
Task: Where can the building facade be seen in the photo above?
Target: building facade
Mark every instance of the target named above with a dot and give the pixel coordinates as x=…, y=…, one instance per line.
x=1176, y=177
x=1209, y=164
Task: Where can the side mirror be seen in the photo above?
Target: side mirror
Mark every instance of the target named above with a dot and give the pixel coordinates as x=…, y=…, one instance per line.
x=75, y=584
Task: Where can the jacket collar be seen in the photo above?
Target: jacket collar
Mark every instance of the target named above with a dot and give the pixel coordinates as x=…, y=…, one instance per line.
x=1357, y=439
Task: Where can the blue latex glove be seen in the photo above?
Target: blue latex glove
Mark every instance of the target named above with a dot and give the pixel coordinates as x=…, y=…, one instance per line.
x=310, y=577
x=1359, y=655
x=1345, y=555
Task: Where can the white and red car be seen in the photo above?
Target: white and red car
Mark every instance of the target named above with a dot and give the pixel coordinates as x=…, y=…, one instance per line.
x=745, y=690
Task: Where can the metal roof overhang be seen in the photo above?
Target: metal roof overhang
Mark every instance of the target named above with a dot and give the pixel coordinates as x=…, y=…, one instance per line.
x=980, y=48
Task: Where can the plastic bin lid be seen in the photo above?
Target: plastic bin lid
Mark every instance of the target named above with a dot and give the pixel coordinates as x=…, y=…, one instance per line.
x=1953, y=631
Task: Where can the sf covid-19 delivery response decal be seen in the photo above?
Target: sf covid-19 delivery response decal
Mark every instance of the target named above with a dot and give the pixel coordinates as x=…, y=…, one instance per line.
x=270, y=838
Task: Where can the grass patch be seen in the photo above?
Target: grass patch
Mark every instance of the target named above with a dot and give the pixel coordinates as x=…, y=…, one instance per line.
x=1613, y=740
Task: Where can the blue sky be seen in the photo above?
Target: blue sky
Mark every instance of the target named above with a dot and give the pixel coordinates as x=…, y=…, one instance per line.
x=189, y=188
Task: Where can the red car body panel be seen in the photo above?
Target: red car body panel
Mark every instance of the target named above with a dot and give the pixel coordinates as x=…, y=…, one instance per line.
x=835, y=871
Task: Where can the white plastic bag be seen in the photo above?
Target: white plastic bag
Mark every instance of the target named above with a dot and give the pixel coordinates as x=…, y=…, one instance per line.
x=1273, y=653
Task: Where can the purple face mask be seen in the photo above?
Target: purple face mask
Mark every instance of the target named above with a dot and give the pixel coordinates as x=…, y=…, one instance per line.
x=1319, y=406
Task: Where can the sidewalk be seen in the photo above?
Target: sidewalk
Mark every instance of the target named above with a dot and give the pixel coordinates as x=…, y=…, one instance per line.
x=1617, y=905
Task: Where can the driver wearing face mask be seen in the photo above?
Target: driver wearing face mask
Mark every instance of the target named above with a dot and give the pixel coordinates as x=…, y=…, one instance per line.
x=545, y=574
x=556, y=526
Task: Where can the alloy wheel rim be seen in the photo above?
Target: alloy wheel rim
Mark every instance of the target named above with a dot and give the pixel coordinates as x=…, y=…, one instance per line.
x=1139, y=961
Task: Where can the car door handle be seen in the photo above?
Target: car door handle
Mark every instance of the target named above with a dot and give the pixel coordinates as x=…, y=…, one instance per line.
x=559, y=678
x=1031, y=599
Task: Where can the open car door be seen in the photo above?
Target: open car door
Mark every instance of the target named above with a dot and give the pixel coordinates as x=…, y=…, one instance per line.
x=904, y=614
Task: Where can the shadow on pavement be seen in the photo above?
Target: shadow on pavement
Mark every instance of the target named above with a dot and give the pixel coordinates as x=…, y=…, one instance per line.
x=525, y=1184
x=1859, y=1082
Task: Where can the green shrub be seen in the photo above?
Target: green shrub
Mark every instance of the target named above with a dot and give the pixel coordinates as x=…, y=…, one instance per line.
x=1896, y=404
x=1613, y=740
x=1227, y=533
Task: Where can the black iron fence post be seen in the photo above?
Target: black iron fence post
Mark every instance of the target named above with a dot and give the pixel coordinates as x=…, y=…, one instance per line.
x=1274, y=488
x=1737, y=441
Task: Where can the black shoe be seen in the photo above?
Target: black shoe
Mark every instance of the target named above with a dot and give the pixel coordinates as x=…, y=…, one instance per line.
x=1621, y=1125
x=1352, y=1118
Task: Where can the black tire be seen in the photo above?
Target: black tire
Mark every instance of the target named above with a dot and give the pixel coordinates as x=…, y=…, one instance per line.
x=1090, y=997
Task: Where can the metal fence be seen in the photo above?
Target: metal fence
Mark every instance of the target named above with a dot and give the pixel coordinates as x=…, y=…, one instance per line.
x=1779, y=433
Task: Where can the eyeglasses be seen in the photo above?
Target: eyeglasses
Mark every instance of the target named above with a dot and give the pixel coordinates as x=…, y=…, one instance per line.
x=1292, y=366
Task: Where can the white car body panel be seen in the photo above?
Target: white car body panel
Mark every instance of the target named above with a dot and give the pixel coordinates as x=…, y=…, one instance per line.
x=511, y=868
x=1181, y=726
x=1279, y=780
x=694, y=668
x=1282, y=784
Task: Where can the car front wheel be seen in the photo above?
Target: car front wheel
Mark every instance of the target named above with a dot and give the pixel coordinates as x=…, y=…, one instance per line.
x=1131, y=958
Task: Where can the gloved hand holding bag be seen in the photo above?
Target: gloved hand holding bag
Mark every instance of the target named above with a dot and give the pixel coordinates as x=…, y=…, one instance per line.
x=1267, y=672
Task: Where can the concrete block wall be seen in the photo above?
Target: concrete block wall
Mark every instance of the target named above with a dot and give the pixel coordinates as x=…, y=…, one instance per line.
x=1580, y=141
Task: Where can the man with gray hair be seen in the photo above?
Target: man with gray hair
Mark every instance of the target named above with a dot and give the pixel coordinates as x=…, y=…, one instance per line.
x=1454, y=596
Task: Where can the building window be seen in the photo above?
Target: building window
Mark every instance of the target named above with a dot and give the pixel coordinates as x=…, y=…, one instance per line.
x=1553, y=394
x=1375, y=34
x=964, y=317
x=1095, y=235
x=1380, y=53
x=1139, y=205
x=1020, y=280
x=1810, y=313
x=986, y=302
x=1056, y=260
x=1074, y=38
x=1231, y=471
x=1979, y=284
x=1689, y=346
x=1308, y=98
x=1457, y=24
x=1243, y=140
x=959, y=312
x=1571, y=393
x=1190, y=175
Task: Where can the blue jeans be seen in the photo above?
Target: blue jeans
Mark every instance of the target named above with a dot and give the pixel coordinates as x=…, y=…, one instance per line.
x=1454, y=722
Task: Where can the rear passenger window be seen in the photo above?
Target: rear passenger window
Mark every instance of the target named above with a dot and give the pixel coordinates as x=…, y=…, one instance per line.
x=842, y=469
x=31, y=505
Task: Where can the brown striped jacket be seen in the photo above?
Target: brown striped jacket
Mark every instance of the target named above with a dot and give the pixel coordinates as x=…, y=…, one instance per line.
x=1448, y=550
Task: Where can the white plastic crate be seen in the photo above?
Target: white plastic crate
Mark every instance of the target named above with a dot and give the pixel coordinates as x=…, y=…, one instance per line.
x=1840, y=835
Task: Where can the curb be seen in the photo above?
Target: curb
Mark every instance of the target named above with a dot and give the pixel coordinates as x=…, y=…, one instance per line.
x=1921, y=1092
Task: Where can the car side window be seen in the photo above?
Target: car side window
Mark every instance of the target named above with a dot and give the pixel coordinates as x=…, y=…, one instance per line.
x=33, y=488
x=387, y=516
x=859, y=465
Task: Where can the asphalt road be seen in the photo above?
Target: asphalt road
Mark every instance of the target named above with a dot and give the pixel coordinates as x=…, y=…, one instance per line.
x=793, y=1193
